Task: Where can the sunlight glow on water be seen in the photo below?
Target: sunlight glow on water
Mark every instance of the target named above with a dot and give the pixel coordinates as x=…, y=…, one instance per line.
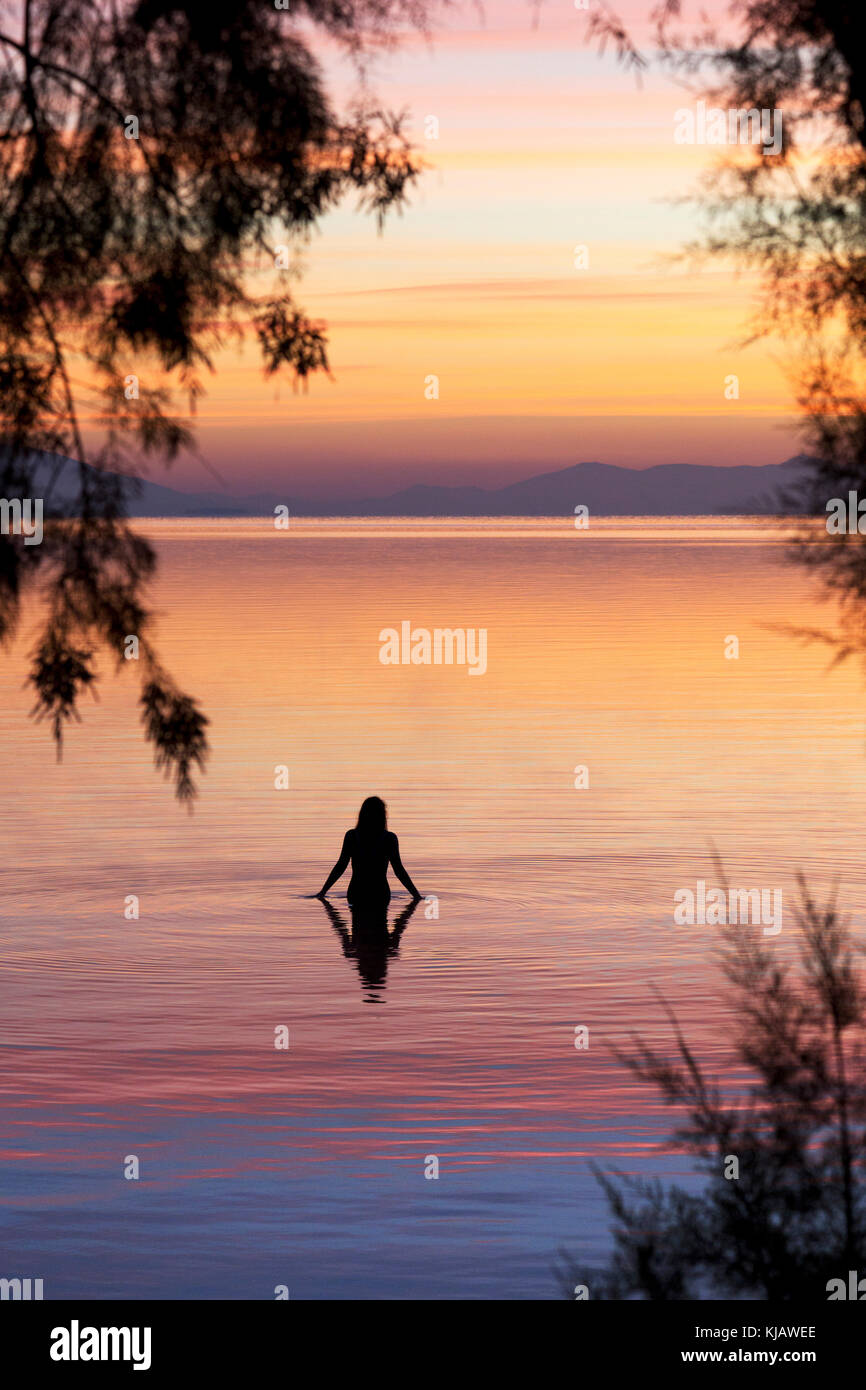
x=155, y=1037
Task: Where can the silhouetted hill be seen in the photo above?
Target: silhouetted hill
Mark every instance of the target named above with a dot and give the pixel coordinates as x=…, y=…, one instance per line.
x=668, y=489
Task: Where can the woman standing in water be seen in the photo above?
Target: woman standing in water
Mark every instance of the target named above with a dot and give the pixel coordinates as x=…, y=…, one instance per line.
x=370, y=847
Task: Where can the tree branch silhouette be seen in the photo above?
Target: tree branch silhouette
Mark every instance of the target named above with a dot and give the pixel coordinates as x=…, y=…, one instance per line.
x=796, y=217
x=151, y=155
x=795, y=1216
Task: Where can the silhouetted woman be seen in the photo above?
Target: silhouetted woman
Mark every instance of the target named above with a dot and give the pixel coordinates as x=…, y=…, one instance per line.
x=370, y=847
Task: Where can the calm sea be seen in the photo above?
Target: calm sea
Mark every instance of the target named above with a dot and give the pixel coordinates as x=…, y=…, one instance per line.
x=154, y=1038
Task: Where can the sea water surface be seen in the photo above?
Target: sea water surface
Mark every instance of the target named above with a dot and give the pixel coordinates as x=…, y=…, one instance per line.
x=548, y=906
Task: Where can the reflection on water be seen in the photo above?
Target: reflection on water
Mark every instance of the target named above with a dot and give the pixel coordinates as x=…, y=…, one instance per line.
x=451, y=1036
x=369, y=942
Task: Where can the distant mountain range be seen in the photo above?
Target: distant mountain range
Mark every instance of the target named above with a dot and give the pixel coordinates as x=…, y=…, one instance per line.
x=668, y=489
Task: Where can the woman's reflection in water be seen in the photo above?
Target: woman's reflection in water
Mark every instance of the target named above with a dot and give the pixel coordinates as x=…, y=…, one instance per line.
x=369, y=943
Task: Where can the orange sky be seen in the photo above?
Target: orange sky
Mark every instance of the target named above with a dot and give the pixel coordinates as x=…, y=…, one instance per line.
x=543, y=145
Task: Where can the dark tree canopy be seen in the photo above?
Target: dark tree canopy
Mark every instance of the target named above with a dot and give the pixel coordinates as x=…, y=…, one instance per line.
x=151, y=154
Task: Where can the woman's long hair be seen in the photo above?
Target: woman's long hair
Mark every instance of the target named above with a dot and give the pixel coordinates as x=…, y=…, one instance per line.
x=372, y=818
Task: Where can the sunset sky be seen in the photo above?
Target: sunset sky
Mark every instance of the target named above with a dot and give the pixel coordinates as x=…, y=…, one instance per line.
x=543, y=145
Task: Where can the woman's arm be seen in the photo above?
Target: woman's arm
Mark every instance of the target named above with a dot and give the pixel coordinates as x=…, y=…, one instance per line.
x=339, y=926
x=341, y=865
x=401, y=921
x=397, y=866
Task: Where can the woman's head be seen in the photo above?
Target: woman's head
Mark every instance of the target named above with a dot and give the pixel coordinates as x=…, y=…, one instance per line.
x=372, y=817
